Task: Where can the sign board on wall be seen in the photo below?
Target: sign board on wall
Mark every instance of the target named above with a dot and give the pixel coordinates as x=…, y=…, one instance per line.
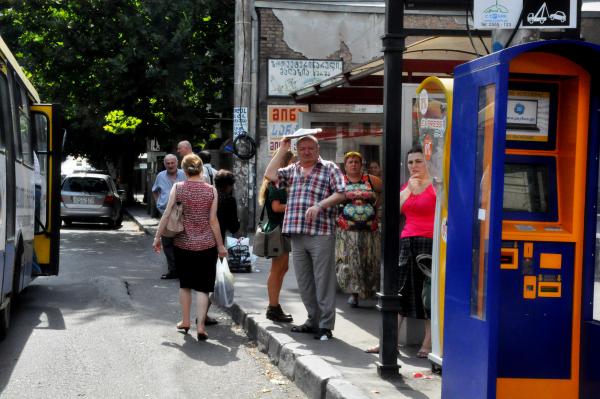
x=287, y=76
x=539, y=14
x=240, y=120
x=282, y=120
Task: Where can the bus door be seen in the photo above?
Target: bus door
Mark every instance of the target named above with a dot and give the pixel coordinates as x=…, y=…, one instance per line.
x=47, y=148
x=7, y=187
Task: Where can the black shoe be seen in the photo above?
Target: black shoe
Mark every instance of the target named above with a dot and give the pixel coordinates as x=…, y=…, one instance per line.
x=209, y=321
x=169, y=276
x=276, y=314
x=323, y=334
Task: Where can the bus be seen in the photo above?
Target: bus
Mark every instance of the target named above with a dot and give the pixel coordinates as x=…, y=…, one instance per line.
x=30, y=155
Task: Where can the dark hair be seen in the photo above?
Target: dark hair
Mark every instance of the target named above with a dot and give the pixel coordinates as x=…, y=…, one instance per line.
x=205, y=156
x=224, y=178
x=415, y=149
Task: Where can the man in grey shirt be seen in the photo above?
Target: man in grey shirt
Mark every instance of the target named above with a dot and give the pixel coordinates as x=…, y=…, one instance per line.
x=160, y=190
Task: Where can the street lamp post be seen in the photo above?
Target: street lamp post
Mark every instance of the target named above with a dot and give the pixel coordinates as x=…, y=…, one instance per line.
x=388, y=300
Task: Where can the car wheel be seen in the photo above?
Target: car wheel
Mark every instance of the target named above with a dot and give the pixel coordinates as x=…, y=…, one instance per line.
x=5, y=319
x=119, y=220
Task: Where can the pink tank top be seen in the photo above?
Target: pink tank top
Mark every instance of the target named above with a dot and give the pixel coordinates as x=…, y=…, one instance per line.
x=197, y=198
x=420, y=214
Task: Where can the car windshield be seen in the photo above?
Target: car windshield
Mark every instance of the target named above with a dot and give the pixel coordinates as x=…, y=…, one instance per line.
x=85, y=184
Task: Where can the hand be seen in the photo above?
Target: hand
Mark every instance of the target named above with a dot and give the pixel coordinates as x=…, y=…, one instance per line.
x=286, y=144
x=414, y=184
x=222, y=251
x=157, y=245
x=312, y=213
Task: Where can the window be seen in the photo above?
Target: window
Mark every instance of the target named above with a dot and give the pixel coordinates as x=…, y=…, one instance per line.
x=24, y=129
x=481, y=216
x=596, y=305
x=85, y=184
x=40, y=148
x=4, y=111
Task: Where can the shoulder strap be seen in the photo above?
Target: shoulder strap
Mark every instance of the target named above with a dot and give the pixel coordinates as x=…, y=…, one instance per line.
x=262, y=213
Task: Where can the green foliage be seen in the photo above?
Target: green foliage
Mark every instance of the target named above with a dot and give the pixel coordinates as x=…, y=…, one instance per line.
x=119, y=123
x=160, y=68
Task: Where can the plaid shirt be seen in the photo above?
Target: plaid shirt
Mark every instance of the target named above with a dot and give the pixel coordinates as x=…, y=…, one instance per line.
x=324, y=179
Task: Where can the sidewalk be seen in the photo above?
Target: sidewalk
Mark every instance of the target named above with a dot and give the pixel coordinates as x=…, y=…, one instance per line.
x=334, y=369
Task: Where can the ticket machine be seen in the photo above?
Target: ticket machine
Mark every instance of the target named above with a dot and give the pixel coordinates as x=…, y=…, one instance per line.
x=521, y=233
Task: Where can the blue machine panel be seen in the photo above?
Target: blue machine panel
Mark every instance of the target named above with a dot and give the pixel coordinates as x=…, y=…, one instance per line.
x=535, y=334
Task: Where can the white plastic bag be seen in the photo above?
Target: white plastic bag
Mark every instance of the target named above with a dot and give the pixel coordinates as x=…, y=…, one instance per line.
x=223, y=294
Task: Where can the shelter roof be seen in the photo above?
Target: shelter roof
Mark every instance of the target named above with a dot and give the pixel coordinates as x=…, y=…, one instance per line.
x=363, y=84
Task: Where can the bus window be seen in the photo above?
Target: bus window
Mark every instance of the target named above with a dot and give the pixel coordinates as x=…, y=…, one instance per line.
x=4, y=111
x=41, y=152
x=24, y=126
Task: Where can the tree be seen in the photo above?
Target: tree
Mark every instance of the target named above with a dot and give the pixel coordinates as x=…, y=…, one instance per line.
x=127, y=70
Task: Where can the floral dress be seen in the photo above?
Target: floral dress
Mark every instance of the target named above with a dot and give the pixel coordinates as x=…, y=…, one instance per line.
x=358, y=240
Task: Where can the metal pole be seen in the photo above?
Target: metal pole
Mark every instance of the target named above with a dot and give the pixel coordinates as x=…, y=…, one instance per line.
x=388, y=300
x=243, y=170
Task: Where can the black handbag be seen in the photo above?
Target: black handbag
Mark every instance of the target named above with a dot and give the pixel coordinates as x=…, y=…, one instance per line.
x=268, y=244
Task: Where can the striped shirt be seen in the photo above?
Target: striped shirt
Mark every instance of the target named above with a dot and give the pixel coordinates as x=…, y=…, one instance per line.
x=197, y=198
x=324, y=179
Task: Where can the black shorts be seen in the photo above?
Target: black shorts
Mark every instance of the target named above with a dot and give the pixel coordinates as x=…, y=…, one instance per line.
x=196, y=269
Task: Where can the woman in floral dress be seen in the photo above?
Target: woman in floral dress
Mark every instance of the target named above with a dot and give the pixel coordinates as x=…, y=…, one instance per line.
x=358, y=243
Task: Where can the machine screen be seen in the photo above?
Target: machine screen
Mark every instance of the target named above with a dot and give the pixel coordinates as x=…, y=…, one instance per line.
x=525, y=188
x=530, y=190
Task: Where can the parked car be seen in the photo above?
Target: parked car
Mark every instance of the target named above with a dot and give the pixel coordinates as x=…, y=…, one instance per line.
x=90, y=197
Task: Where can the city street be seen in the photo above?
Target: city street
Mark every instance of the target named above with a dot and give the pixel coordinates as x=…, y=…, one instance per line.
x=105, y=327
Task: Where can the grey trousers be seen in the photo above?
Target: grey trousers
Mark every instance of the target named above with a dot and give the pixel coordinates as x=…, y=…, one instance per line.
x=168, y=249
x=314, y=263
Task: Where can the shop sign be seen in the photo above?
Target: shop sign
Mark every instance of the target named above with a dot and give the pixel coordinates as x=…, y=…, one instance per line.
x=282, y=120
x=538, y=14
x=287, y=76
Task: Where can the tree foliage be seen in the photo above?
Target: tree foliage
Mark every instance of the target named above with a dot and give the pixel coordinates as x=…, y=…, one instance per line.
x=126, y=70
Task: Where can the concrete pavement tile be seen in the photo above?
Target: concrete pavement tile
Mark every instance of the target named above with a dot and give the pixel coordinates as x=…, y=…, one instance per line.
x=250, y=325
x=311, y=375
x=262, y=336
x=276, y=342
x=338, y=388
x=288, y=354
x=237, y=314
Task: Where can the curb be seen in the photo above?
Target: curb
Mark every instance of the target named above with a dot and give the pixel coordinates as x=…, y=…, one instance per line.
x=311, y=374
x=316, y=378
x=137, y=222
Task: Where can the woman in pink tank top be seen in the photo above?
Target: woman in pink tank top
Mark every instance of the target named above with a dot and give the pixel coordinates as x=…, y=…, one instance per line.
x=197, y=247
x=417, y=203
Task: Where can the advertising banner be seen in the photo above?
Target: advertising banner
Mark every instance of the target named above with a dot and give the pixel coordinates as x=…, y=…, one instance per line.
x=282, y=121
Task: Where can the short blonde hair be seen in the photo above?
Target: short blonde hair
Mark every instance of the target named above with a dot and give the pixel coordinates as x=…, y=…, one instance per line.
x=192, y=165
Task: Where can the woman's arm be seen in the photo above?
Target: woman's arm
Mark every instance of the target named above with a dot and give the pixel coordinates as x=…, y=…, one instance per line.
x=377, y=185
x=404, y=194
x=156, y=244
x=214, y=225
x=277, y=206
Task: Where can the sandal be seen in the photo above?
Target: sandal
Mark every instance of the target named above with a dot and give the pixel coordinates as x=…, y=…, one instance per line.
x=304, y=329
x=423, y=353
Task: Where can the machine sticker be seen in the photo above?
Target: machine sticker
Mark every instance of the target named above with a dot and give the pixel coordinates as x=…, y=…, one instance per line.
x=481, y=214
x=528, y=116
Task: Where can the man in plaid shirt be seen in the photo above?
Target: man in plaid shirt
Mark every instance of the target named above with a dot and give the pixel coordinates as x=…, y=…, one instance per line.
x=315, y=186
